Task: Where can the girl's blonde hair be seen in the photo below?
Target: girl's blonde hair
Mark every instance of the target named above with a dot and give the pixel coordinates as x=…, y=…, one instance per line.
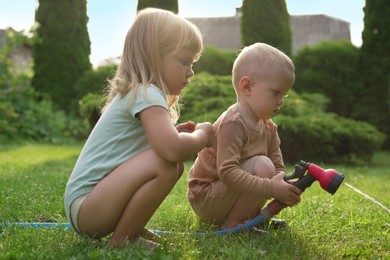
x=154, y=34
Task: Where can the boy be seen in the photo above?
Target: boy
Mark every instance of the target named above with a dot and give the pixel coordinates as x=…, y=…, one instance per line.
x=231, y=181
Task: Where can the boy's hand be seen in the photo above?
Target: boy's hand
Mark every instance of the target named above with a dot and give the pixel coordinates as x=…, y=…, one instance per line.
x=284, y=191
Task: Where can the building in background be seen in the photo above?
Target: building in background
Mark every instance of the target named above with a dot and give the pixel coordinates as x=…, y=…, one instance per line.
x=306, y=30
x=225, y=33
x=21, y=56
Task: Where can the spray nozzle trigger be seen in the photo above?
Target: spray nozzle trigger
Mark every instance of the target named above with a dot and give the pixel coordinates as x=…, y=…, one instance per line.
x=299, y=171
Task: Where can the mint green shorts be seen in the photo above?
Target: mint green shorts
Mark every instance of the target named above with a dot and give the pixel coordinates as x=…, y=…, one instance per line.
x=74, y=212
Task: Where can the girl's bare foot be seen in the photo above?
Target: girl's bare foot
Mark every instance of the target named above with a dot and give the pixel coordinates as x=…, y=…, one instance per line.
x=136, y=241
x=149, y=234
x=147, y=243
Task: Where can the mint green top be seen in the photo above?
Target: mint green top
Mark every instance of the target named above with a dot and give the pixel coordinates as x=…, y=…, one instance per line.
x=117, y=136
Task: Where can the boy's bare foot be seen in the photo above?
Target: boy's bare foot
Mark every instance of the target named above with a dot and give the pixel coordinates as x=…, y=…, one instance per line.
x=230, y=224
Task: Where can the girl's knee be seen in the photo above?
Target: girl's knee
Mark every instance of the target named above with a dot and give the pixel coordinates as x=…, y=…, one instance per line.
x=180, y=170
x=264, y=167
x=171, y=172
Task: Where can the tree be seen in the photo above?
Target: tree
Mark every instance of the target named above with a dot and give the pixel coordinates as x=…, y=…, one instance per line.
x=171, y=5
x=374, y=96
x=61, y=50
x=266, y=21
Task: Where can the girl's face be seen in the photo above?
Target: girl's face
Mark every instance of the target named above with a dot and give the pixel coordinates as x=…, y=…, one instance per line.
x=267, y=93
x=177, y=70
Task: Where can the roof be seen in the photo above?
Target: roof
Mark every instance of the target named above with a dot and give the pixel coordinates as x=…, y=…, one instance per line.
x=223, y=32
x=306, y=30
x=309, y=30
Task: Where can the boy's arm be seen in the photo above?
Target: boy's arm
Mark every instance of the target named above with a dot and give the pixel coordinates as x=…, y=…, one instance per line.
x=274, y=152
x=230, y=140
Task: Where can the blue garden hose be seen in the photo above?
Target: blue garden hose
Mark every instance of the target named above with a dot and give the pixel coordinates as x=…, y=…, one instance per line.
x=66, y=226
x=239, y=228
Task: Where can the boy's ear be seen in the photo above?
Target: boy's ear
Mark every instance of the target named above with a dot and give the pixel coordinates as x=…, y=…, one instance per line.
x=245, y=84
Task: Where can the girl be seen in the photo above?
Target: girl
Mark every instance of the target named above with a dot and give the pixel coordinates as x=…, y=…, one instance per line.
x=134, y=155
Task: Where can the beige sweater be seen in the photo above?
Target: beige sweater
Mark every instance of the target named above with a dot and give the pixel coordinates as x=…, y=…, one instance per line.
x=235, y=143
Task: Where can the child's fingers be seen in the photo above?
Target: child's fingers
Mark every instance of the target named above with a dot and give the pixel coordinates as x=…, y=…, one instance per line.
x=187, y=127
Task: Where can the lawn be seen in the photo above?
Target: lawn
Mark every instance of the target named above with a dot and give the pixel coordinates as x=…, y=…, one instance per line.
x=345, y=225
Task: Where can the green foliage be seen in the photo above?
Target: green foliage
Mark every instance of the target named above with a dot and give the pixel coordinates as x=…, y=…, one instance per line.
x=171, y=5
x=306, y=130
x=304, y=103
x=206, y=98
x=374, y=94
x=61, y=50
x=328, y=138
x=94, y=81
x=91, y=87
x=24, y=113
x=216, y=61
x=89, y=108
x=266, y=21
x=11, y=42
x=330, y=68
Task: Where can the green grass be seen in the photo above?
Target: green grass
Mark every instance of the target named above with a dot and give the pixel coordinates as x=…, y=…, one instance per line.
x=346, y=225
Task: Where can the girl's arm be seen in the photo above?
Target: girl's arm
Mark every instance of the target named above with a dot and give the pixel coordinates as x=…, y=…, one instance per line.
x=168, y=142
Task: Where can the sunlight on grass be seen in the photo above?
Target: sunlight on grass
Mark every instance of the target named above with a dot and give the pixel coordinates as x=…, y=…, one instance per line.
x=30, y=154
x=322, y=226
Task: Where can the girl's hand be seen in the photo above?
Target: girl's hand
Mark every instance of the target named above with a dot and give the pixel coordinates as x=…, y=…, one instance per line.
x=187, y=127
x=209, y=131
x=284, y=191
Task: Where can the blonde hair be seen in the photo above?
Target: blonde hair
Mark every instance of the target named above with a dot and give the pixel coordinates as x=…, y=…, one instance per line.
x=154, y=34
x=256, y=58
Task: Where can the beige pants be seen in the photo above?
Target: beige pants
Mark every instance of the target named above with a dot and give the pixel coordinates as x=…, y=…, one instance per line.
x=219, y=200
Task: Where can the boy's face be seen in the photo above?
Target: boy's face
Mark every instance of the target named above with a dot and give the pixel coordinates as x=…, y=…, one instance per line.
x=177, y=70
x=265, y=97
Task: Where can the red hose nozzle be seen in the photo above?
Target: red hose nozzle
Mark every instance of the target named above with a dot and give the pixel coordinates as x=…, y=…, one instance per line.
x=330, y=180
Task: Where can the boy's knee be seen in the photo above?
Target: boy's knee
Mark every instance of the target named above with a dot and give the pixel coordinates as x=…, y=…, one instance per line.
x=264, y=167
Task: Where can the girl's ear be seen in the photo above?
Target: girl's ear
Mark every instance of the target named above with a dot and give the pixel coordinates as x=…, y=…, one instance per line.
x=245, y=84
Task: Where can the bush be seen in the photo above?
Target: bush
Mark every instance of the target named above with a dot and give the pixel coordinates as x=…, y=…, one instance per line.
x=89, y=108
x=302, y=104
x=216, y=61
x=91, y=88
x=29, y=116
x=330, y=68
x=307, y=132
x=206, y=98
x=94, y=81
x=325, y=137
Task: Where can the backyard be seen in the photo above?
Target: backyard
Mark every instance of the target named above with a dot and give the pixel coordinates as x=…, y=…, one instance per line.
x=345, y=225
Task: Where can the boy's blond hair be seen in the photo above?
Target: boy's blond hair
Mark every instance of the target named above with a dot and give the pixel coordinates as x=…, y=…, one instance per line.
x=154, y=34
x=257, y=58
